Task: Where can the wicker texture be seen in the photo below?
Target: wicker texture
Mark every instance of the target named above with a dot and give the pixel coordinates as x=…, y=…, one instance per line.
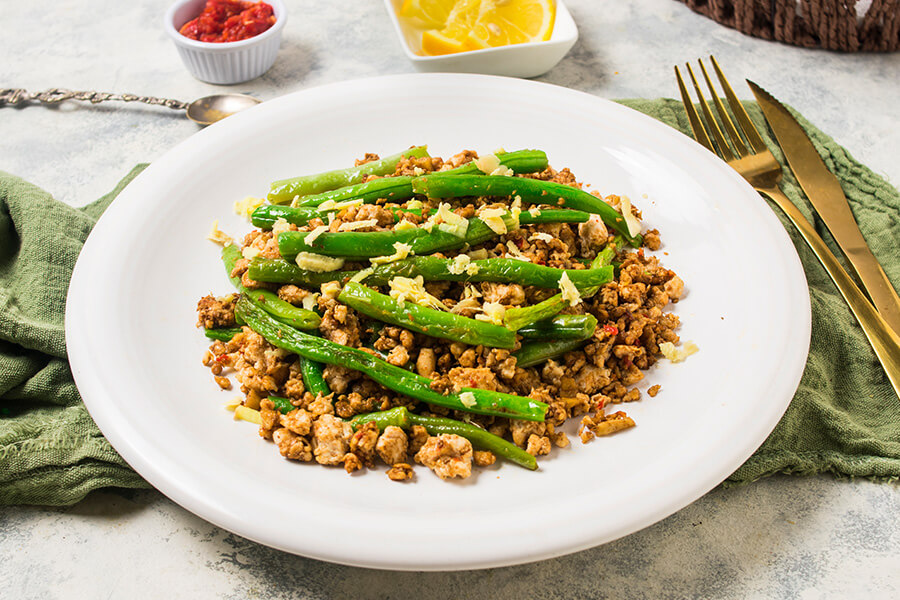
x=827, y=24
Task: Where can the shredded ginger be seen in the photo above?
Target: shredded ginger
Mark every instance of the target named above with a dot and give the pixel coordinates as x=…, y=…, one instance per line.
x=318, y=263
x=401, y=251
x=245, y=207
x=404, y=289
x=218, y=236
x=677, y=355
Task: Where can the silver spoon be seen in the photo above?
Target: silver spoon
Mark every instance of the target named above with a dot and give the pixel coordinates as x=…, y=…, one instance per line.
x=205, y=111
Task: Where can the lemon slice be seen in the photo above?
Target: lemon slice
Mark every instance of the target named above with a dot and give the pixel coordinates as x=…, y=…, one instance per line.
x=505, y=22
x=430, y=13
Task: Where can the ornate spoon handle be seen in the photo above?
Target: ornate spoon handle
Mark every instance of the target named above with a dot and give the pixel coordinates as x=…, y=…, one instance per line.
x=13, y=97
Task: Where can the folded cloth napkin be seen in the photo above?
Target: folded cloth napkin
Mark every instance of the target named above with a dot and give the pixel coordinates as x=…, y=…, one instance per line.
x=844, y=419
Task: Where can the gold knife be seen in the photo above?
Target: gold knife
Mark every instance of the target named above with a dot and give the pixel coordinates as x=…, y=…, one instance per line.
x=824, y=192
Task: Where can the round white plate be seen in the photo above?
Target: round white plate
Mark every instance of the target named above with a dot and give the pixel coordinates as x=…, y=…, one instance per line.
x=135, y=350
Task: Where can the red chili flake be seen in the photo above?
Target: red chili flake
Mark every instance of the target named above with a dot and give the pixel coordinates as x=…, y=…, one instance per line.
x=611, y=329
x=520, y=243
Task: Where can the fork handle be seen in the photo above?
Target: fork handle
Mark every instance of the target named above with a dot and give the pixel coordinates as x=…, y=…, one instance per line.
x=884, y=340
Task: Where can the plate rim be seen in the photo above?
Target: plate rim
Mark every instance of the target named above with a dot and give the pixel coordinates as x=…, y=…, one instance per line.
x=132, y=454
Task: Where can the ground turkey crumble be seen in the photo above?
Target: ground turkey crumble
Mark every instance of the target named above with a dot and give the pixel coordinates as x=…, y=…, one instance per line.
x=632, y=322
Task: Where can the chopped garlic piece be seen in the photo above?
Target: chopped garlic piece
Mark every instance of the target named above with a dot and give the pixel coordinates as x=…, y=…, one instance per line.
x=316, y=232
x=281, y=225
x=404, y=225
x=515, y=253
x=470, y=291
x=295, y=201
x=404, y=289
x=354, y=225
x=493, y=218
x=493, y=313
x=634, y=226
x=459, y=264
x=359, y=277
x=250, y=252
x=330, y=289
x=569, y=291
x=504, y=171
x=418, y=171
x=245, y=207
x=318, y=263
x=401, y=251
x=541, y=236
x=451, y=222
x=233, y=404
x=414, y=205
x=468, y=399
x=242, y=413
x=310, y=301
x=534, y=211
x=472, y=269
x=677, y=355
x=487, y=163
x=479, y=254
x=219, y=237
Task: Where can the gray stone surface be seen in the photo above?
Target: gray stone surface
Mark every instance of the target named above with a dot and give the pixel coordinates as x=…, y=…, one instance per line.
x=784, y=537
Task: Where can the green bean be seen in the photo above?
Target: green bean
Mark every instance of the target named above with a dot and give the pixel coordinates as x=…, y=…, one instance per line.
x=276, y=270
x=608, y=254
x=484, y=440
x=267, y=300
x=436, y=323
x=561, y=327
x=368, y=244
x=313, y=380
x=520, y=161
x=535, y=353
x=532, y=191
x=395, y=378
x=282, y=405
x=223, y=334
x=521, y=316
x=284, y=190
x=392, y=189
x=431, y=268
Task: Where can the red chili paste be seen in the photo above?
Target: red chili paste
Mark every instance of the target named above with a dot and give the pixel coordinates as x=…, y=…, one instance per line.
x=229, y=21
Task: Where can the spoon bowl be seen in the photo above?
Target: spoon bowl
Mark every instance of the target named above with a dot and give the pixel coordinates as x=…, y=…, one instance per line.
x=209, y=109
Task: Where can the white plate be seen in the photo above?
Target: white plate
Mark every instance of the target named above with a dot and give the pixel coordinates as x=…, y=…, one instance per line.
x=135, y=351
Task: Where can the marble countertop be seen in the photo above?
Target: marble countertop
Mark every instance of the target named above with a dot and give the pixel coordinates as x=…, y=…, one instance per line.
x=783, y=537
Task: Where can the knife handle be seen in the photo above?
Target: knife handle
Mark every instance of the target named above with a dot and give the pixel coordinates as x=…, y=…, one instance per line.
x=884, y=340
x=876, y=283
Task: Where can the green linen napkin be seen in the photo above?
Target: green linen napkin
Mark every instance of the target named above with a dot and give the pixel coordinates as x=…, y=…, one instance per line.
x=844, y=419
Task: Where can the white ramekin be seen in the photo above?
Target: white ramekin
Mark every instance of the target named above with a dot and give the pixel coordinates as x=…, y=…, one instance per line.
x=229, y=62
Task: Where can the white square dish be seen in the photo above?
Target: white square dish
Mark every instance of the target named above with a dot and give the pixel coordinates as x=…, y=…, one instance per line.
x=519, y=60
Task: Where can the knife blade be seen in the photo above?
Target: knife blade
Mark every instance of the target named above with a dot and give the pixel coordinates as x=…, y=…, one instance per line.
x=824, y=192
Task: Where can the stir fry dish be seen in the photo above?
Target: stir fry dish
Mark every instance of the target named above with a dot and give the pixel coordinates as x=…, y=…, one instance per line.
x=446, y=312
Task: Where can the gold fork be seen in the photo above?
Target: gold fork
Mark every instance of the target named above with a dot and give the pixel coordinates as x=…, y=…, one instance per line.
x=758, y=166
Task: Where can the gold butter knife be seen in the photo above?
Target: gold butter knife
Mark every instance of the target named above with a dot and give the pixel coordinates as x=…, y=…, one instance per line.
x=824, y=192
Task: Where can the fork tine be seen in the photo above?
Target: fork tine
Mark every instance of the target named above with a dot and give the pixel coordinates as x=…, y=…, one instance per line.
x=696, y=124
x=740, y=114
x=713, y=126
x=723, y=114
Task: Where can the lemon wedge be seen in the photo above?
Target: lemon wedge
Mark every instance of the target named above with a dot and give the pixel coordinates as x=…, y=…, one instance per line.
x=505, y=22
x=453, y=36
x=429, y=13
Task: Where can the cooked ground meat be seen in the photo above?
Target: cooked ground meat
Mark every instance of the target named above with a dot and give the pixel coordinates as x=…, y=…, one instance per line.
x=631, y=315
